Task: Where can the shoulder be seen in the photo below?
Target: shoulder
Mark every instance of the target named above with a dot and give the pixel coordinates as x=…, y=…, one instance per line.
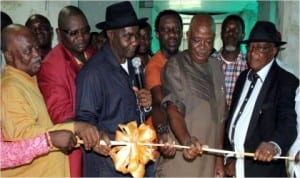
x=282, y=72
x=56, y=54
x=157, y=60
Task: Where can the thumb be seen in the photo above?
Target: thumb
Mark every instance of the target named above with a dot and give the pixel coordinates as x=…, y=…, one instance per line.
x=135, y=89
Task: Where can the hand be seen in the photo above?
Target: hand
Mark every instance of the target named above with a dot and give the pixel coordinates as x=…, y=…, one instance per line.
x=63, y=139
x=168, y=150
x=144, y=97
x=88, y=133
x=229, y=168
x=194, y=150
x=265, y=152
x=104, y=147
x=219, y=167
x=297, y=157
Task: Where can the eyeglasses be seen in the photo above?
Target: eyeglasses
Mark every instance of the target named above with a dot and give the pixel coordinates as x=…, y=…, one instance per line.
x=261, y=49
x=169, y=30
x=75, y=33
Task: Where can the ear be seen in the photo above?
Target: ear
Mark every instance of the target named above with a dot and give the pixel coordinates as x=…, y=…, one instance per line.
x=51, y=31
x=187, y=34
x=243, y=35
x=156, y=34
x=110, y=34
x=275, y=51
x=58, y=34
x=9, y=57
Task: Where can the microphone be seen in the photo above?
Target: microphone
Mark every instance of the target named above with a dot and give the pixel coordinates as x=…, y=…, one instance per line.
x=138, y=73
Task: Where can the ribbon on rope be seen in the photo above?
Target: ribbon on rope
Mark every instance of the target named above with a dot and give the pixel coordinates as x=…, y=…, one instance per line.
x=133, y=157
x=134, y=147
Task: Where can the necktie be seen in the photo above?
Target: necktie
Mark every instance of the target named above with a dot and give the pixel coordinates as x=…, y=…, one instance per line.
x=252, y=76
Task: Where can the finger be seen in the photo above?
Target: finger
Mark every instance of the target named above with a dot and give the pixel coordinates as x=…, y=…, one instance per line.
x=135, y=89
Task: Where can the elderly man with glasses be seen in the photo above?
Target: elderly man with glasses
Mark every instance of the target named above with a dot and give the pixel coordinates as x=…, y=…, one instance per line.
x=60, y=67
x=262, y=117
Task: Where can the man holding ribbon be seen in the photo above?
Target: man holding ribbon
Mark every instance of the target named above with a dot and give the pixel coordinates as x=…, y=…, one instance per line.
x=104, y=87
x=262, y=117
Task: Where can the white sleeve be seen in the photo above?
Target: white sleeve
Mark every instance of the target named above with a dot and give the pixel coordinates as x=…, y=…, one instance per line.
x=295, y=168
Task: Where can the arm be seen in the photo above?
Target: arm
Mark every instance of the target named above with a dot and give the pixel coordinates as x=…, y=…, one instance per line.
x=22, y=152
x=158, y=113
x=153, y=83
x=22, y=116
x=89, y=99
x=285, y=131
x=174, y=102
x=159, y=116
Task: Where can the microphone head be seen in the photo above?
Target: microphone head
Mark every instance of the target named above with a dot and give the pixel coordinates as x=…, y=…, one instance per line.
x=136, y=62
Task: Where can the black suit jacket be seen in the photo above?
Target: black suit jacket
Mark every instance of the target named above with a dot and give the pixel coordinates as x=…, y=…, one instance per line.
x=273, y=119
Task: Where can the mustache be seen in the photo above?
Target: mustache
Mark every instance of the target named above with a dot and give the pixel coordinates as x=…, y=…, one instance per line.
x=37, y=59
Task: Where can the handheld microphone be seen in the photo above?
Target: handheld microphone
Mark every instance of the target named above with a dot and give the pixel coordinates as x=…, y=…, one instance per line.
x=138, y=73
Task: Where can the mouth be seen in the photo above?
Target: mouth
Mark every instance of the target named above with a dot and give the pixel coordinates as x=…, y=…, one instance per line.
x=82, y=46
x=37, y=63
x=173, y=43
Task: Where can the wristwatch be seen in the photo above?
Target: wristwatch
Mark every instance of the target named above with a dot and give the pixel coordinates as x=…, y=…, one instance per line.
x=161, y=129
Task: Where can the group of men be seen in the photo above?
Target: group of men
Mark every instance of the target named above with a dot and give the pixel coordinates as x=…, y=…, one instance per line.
x=91, y=92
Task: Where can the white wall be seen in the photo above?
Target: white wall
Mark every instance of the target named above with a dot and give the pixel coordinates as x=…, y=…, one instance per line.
x=285, y=15
x=288, y=23
x=19, y=11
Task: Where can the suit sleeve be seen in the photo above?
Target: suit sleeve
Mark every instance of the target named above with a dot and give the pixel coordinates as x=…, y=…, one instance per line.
x=89, y=97
x=286, y=131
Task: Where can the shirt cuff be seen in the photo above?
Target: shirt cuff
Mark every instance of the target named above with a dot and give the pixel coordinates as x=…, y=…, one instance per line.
x=278, y=149
x=147, y=109
x=230, y=155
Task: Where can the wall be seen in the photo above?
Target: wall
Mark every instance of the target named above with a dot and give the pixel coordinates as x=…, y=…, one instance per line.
x=19, y=11
x=288, y=24
x=285, y=14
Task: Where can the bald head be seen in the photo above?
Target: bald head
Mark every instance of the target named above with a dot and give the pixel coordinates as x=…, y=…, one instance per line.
x=67, y=12
x=201, y=37
x=21, y=49
x=203, y=20
x=38, y=17
x=10, y=32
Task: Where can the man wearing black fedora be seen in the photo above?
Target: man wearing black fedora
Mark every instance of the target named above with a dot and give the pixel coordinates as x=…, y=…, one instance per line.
x=262, y=117
x=105, y=96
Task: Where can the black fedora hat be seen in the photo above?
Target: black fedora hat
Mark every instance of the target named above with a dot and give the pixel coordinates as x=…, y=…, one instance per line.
x=264, y=31
x=120, y=15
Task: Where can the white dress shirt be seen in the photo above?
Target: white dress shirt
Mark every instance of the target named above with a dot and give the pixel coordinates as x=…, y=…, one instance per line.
x=244, y=120
x=295, y=168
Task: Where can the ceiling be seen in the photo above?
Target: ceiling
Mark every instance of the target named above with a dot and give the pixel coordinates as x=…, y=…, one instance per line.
x=219, y=9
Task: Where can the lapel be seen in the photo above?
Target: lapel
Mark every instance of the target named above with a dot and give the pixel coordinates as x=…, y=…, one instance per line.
x=236, y=96
x=265, y=89
x=70, y=59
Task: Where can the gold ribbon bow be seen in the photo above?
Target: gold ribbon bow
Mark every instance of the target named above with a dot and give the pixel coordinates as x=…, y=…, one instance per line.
x=132, y=157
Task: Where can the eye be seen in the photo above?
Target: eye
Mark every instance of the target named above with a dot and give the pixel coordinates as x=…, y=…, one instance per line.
x=27, y=51
x=73, y=33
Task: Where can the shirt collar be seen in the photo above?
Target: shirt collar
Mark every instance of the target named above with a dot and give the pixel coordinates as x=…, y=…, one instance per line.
x=263, y=72
x=239, y=57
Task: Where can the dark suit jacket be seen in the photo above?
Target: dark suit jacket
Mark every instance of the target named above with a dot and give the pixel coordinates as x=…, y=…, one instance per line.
x=104, y=98
x=273, y=119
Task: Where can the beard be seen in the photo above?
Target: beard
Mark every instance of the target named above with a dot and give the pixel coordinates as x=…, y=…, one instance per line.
x=230, y=48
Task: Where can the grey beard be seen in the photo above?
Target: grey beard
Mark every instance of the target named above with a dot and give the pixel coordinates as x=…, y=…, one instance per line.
x=230, y=48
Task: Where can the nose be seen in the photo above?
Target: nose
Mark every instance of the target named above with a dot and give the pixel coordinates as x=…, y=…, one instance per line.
x=81, y=35
x=36, y=51
x=135, y=40
x=202, y=44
